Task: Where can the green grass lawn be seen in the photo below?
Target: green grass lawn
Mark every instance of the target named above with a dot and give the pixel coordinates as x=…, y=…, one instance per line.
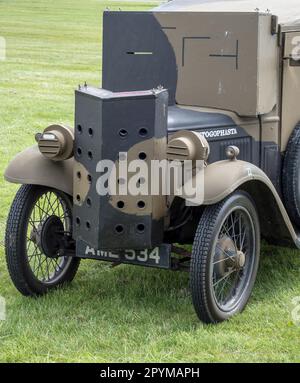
x=126, y=314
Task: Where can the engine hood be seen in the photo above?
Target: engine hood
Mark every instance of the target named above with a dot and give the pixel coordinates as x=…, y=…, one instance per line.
x=181, y=119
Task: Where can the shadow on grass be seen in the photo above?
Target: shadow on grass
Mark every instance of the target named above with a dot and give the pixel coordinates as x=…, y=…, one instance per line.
x=132, y=291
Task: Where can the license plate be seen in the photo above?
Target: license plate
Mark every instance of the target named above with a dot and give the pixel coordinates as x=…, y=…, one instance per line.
x=159, y=257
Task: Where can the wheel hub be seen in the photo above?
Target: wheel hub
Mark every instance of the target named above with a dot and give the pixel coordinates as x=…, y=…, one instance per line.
x=240, y=259
x=48, y=236
x=228, y=257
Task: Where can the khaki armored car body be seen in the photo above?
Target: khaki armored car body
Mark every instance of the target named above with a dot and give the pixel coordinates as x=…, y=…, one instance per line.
x=209, y=82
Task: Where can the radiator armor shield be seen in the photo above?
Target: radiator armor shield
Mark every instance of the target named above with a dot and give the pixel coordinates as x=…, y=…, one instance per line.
x=107, y=124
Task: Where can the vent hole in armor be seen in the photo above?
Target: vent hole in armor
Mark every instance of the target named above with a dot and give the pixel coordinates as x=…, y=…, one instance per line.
x=141, y=204
x=121, y=204
x=79, y=129
x=140, y=228
x=78, y=197
x=88, y=225
x=77, y=221
x=143, y=132
x=90, y=155
x=119, y=229
x=123, y=133
x=89, y=178
x=79, y=151
x=142, y=156
x=91, y=132
x=78, y=175
x=89, y=202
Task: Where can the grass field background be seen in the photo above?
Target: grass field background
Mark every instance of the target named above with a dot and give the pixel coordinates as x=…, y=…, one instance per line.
x=125, y=314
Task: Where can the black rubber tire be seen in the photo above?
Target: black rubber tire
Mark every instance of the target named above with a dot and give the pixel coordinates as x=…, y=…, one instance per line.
x=15, y=244
x=203, y=254
x=291, y=176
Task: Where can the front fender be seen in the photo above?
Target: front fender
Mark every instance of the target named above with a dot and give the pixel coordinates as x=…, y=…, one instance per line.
x=222, y=178
x=31, y=167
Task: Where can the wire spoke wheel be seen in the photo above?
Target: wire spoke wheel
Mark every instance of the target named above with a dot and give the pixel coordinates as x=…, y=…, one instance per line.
x=233, y=259
x=46, y=269
x=225, y=258
x=38, y=224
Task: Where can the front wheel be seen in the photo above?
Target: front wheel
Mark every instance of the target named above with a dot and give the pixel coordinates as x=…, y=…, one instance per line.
x=37, y=218
x=225, y=258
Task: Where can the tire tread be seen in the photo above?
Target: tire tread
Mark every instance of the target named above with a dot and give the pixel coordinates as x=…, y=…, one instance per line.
x=290, y=176
x=202, y=246
x=15, y=260
x=208, y=228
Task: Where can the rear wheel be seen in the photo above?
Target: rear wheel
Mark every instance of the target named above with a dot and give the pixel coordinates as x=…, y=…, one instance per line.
x=291, y=176
x=38, y=219
x=225, y=258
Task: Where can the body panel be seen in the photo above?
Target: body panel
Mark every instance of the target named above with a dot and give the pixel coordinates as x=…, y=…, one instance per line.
x=215, y=60
x=137, y=54
x=257, y=139
x=224, y=61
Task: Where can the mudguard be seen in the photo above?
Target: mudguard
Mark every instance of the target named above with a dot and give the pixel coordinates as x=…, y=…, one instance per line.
x=31, y=167
x=222, y=178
